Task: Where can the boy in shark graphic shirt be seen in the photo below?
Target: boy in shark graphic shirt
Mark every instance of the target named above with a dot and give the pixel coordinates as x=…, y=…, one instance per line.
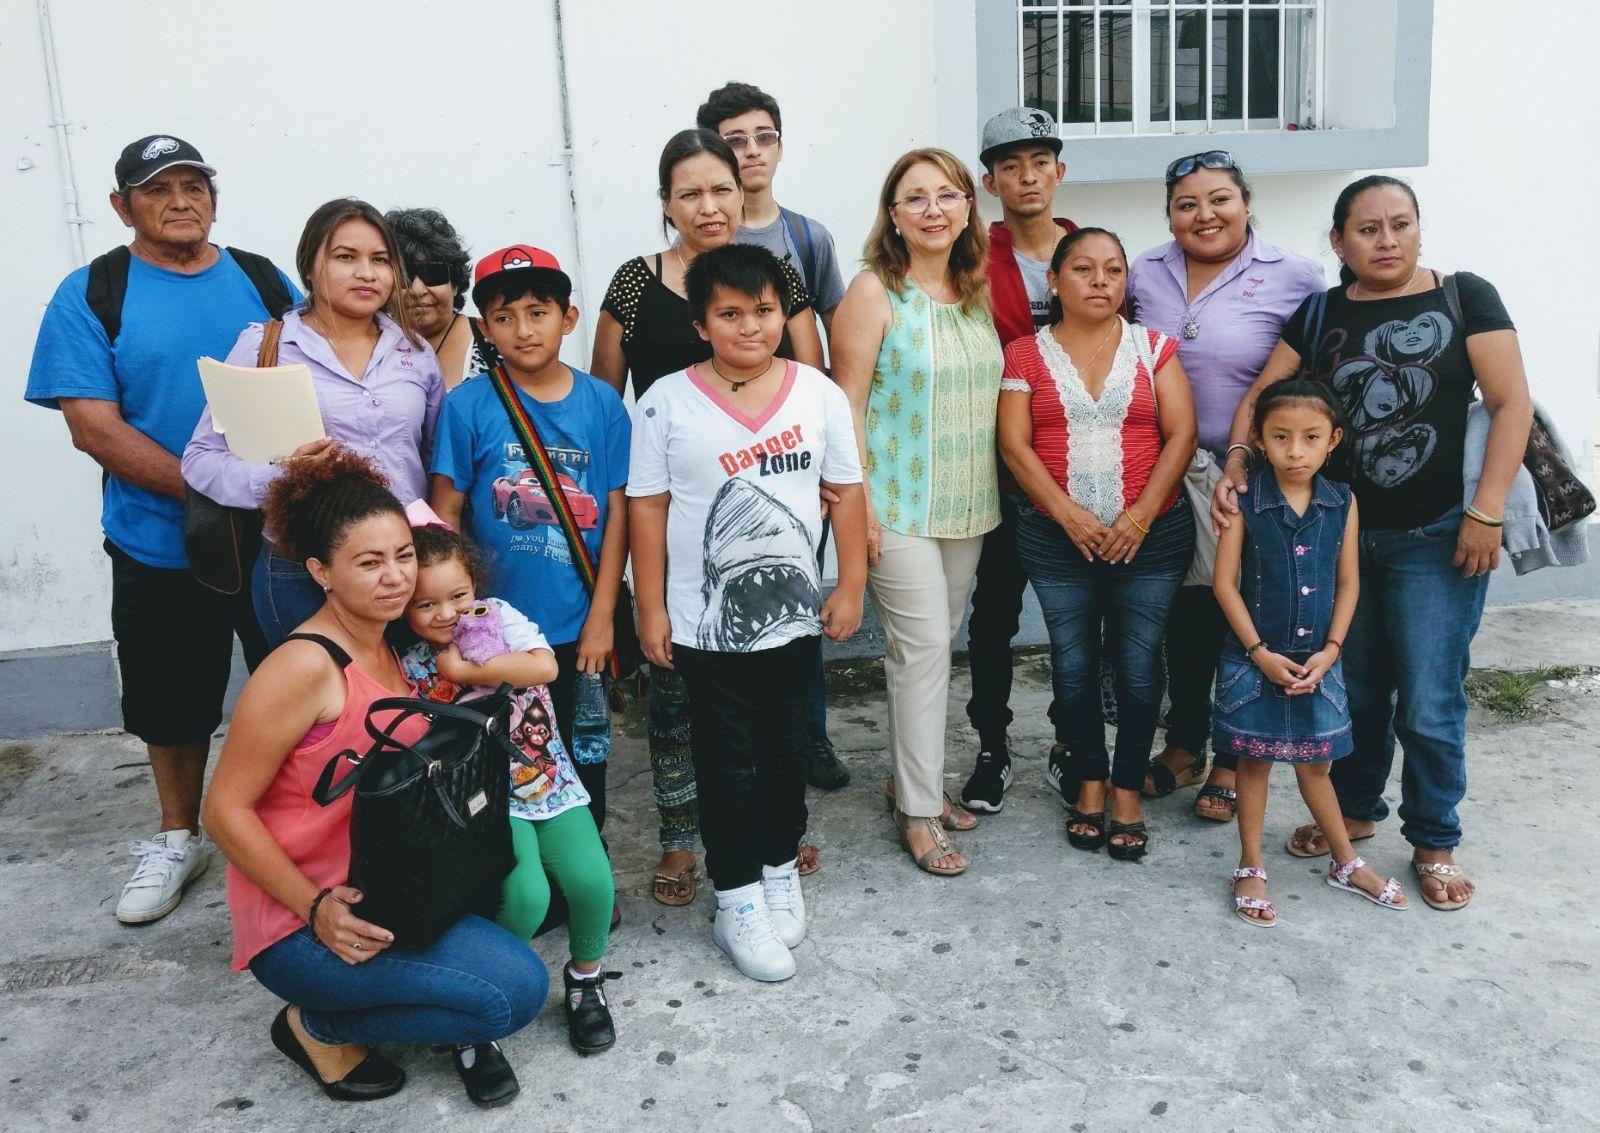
x=727, y=461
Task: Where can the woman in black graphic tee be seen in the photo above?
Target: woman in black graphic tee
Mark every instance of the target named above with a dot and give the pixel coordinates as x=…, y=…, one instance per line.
x=1405, y=357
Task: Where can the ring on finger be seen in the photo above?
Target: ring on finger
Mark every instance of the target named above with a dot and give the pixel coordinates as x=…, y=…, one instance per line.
x=357, y=945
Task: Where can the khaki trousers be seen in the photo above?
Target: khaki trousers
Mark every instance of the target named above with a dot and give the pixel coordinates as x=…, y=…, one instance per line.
x=920, y=588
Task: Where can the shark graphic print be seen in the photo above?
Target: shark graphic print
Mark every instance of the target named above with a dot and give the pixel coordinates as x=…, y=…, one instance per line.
x=761, y=587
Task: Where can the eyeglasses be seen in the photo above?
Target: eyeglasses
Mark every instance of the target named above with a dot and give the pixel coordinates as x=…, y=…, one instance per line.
x=433, y=273
x=766, y=139
x=948, y=201
x=1211, y=159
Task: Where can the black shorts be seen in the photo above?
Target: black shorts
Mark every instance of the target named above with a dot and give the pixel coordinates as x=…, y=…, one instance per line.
x=175, y=649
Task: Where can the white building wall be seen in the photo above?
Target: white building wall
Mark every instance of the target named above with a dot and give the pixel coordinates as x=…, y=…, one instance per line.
x=329, y=99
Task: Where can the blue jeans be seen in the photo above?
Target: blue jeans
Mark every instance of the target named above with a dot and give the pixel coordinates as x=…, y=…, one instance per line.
x=477, y=983
x=1405, y=664
x=284, y=594
x=1133, y=600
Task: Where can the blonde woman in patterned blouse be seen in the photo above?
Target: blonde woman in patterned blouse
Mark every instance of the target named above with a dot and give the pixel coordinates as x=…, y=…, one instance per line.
x=916, y=351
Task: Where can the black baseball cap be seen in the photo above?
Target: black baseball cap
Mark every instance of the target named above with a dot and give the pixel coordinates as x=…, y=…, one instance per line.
x=143, y=159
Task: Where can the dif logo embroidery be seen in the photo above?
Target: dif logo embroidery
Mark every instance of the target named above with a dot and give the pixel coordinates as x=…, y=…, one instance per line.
x=1251, y=283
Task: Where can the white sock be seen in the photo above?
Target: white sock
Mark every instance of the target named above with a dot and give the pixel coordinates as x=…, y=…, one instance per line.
x=734, y=898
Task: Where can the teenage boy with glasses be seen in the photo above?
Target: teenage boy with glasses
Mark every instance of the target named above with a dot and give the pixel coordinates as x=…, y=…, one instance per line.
x=747, y=118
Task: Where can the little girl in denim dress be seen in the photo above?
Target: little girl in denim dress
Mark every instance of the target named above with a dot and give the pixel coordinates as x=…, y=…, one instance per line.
x=1287, y=577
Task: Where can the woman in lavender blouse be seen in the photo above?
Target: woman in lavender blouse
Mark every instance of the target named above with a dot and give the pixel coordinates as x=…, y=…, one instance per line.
x=377, y=383
x=1223, y=293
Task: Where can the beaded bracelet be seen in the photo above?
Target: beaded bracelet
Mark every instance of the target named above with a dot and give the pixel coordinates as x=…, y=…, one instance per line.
x=1141, y=528
x=311, y=914
x=1250, y=653
x=1478, y=516
x=1249, y=454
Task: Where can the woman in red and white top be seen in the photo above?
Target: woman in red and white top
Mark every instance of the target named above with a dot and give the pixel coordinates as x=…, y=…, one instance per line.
x=1097, y=424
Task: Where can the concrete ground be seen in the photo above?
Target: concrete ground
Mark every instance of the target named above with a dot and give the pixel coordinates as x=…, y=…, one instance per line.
x=1047, y=989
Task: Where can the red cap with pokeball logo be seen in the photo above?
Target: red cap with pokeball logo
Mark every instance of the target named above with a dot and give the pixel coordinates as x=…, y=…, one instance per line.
x=517, y=258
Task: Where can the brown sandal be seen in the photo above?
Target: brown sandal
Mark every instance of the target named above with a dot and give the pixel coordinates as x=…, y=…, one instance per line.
x=942, y=846
x=808, y=860
x=955, y=817
x=674, y=890
x=1441, y=874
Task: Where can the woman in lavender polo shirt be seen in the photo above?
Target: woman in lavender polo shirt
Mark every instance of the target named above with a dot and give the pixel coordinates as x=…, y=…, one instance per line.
x=377, y=383
x=1223, y=293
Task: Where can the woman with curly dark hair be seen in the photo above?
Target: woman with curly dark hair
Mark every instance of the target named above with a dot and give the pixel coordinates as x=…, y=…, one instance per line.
x=296, y=921
x=439, y=267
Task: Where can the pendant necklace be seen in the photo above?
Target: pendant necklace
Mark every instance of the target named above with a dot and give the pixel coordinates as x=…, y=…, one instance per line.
x=1361, y=288
x=1191, y=318
x=733, y=386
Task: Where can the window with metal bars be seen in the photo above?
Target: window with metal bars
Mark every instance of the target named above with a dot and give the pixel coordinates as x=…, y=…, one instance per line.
x=1143, y=67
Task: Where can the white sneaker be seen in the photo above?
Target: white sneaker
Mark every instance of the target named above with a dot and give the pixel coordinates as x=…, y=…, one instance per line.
x=744, y=931
x=167, y=863
x=786, y=907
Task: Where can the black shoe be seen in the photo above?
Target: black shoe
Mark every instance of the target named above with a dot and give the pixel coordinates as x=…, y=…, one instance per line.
x=1061, y=773
x=374, y=1076
x=486, y=1074
x=1096, y=823
x=1138, y=840
x=991, y=778
x=824, y=769
x=589, y=1026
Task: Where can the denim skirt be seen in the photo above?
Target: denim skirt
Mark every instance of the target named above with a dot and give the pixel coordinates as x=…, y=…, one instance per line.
x=1258, y=719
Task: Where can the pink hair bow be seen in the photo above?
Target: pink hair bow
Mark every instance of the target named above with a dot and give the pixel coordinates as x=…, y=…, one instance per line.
x=419, y=514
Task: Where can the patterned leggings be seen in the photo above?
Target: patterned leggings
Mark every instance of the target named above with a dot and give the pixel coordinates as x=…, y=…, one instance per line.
x=672, y=761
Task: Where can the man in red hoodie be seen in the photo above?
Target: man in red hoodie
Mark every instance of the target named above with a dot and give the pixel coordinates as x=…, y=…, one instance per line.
x=1022, y=162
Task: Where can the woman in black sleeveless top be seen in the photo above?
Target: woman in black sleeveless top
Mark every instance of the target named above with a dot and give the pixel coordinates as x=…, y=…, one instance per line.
x=645, y=329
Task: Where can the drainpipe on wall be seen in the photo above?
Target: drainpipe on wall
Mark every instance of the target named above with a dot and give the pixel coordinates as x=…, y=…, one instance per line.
x=58, y=123
x=569, y=159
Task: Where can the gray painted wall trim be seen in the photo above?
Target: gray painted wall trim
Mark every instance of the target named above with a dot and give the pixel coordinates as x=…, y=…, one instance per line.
x=74, y=688
x=1143, y=157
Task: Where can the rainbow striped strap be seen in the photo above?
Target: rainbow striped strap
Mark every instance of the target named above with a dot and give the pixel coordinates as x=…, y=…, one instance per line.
x=539, y=460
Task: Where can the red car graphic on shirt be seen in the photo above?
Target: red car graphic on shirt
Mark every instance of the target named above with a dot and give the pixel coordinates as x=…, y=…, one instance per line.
x=521, y=501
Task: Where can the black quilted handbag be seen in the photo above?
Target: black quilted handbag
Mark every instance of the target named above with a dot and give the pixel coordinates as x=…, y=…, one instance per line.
x=430, y=833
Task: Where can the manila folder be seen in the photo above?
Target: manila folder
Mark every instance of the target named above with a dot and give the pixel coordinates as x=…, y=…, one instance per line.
x=264, y=413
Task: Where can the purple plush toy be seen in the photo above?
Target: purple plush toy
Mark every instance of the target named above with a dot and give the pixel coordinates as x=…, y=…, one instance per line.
x=480, y=634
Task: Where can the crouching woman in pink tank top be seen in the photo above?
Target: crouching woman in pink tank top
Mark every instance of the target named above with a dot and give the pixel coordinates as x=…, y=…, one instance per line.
x=296, y=925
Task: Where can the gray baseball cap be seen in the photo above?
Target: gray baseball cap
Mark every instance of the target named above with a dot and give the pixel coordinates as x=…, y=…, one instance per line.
x=1015, y=126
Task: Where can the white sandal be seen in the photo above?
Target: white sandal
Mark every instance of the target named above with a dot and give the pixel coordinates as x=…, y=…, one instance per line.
x=1260, y=904
x=1446, y=873
x=1339, y=878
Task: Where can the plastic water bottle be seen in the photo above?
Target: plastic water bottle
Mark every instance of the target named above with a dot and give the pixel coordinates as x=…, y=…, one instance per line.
x=591, y=719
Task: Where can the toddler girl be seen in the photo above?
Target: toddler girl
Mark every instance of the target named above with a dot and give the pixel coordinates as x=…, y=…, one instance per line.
x=1281, y=698
x=551, y=826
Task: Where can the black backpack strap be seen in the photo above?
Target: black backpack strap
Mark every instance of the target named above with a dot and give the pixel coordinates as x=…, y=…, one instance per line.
x=108, y=287
x=340, y=657
x=1452, y=301
x=1311, y=328
x=268, y=283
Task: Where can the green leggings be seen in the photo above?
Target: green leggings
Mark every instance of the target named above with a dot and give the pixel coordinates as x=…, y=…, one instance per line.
x=567, y=845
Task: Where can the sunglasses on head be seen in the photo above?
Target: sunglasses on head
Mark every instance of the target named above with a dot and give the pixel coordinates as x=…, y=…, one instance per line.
x=1211, y=159
x=433, y=273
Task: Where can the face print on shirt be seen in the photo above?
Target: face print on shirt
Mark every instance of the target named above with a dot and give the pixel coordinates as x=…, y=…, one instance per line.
x=1385, y=388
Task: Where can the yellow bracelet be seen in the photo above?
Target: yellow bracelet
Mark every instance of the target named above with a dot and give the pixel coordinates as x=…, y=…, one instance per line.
x=1142, y=529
